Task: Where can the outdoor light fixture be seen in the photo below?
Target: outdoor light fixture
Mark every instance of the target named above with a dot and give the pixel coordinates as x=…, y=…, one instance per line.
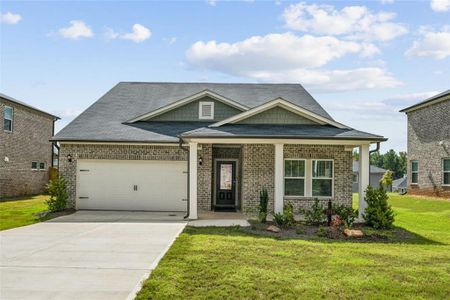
x=69, y=158
x=200, y=160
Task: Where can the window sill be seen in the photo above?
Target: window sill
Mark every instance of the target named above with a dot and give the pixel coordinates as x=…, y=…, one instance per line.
x=308, y=197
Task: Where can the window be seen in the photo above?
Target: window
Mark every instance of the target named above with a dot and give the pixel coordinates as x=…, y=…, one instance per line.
x=322, y=178
x=206, y=111
x=446, y=171
x=8, y=118
x=414, y=172
x=294, y=177
x=41, y=166
x=34, y=165
x=355, y=178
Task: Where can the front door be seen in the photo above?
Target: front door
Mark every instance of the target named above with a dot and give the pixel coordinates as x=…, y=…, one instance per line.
x=225, y=183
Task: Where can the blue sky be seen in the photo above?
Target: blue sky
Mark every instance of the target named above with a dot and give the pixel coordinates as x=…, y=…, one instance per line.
x=361, y=60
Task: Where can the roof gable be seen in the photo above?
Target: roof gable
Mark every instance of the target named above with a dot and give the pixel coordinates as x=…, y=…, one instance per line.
x=187, y=101
x=427, y=102
x=283, y=104
x=277, y=115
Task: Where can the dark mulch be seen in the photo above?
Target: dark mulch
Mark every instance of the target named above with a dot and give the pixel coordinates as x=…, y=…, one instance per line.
x=47, y=215
x=323, y=232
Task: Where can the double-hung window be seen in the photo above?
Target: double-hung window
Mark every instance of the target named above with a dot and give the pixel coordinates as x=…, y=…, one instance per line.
x=294, y=177
x=34, y=165
x=8, y=118
x=414, y=171
x=322, y=178
x=446, y=171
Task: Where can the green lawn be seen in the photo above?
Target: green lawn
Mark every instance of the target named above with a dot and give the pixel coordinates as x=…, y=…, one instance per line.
x=219, y=263
x=20, y=212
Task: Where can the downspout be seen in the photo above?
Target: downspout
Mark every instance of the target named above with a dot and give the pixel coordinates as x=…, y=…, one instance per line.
x=180, y=144
x=376, y=149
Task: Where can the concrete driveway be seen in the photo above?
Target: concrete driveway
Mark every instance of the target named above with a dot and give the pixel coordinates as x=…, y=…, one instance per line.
x=86, y=255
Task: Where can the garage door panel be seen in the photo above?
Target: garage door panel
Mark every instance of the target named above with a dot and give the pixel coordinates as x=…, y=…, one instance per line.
x=131, y=185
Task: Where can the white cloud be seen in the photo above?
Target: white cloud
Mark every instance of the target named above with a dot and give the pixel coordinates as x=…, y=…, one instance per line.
x=290, y=58
x=387, y=1
x=434, y=44
x=140, y=33
x=211, y=2
x=10, y=18
x=77, y=29
x=440, y=5
x=353, y=22
x=273, y=52
x=172, y=40
x=331, y=80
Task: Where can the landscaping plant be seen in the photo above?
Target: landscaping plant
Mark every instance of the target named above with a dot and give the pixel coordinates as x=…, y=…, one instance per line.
x=379, y=213
x=315, y=215
x=345, y=213
x=57, y=189
x=285, y=219
x=263, y=201
x=386, y=180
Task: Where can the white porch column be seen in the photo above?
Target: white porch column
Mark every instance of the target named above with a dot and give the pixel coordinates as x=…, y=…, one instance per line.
x=279, y=179
x=192, y=180
x=364, y=171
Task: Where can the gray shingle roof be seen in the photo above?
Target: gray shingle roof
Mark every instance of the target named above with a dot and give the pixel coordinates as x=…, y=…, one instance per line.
x=435, y=97
x=104, y=120
x=400, y=183
x=373, y=169
x=11, y=99
x=281, y=131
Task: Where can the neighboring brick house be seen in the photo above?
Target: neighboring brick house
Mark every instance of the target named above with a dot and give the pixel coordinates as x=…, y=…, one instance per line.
x=429, y=146
x=154, y=146
x=25, y=148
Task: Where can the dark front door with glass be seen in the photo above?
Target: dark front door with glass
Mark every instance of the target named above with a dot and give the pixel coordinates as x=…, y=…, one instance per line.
x=225, y=183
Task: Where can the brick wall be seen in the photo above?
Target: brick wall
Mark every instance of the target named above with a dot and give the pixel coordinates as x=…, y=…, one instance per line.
x=119, y=152
x=29, y=141
x=427, y=127
x=204, y=177
x=342, y=172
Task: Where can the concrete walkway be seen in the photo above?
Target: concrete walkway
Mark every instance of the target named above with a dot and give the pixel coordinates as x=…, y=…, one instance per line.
x=87, y=255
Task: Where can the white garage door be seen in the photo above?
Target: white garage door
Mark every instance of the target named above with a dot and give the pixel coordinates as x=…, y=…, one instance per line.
x=131, y=185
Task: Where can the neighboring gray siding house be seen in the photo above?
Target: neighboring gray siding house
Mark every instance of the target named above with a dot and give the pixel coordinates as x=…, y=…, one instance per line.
x=25, y=148
x=429, y=146
x=400, y=185
x=376, y=174
x=208, y=146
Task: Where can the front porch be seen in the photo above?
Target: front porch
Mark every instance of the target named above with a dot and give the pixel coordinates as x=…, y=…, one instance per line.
x=228, y=174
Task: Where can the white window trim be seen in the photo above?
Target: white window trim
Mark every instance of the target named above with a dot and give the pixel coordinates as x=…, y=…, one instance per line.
x=444, y=172
x=200, y=109
x=411, y=162
x=328, y=178
x=12, y=118
x=304, y=178
x=37, y=166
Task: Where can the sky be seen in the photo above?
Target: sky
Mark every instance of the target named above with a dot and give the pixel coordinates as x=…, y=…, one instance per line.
x=361, y=60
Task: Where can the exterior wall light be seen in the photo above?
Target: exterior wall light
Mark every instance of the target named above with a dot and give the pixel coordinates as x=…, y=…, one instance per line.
x=69, y=158
x=200, y=160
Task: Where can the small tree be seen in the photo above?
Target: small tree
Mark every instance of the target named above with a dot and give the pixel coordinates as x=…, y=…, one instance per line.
x=386, y=180
x=379, y=213
x=57, y=189
x=263, y=201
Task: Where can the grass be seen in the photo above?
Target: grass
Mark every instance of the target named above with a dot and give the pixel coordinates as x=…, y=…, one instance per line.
x=21, y=211
x=227, y=263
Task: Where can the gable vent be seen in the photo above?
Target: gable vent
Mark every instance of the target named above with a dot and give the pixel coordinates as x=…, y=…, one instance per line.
x=206, y=110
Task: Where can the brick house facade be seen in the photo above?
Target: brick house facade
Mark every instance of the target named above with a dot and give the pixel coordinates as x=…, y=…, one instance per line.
x=150, y=146
x=256, y=162
x=429, y=145
x=27, y=142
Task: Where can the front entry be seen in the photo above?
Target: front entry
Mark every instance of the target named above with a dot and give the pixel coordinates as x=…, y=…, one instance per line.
x=225, y=184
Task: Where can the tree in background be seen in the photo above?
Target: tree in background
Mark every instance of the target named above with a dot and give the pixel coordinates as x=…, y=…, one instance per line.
x=389, y=160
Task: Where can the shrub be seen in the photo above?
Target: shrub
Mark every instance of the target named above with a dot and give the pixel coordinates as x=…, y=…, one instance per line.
x=263, y=201
x=56, y=188
x=315, y=215
x=286, y=218
x=322, y=232
x=379, y=213
x=347, y=214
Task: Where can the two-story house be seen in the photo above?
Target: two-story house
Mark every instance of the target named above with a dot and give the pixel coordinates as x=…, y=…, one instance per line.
x=25, y=148
x=429, y=146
